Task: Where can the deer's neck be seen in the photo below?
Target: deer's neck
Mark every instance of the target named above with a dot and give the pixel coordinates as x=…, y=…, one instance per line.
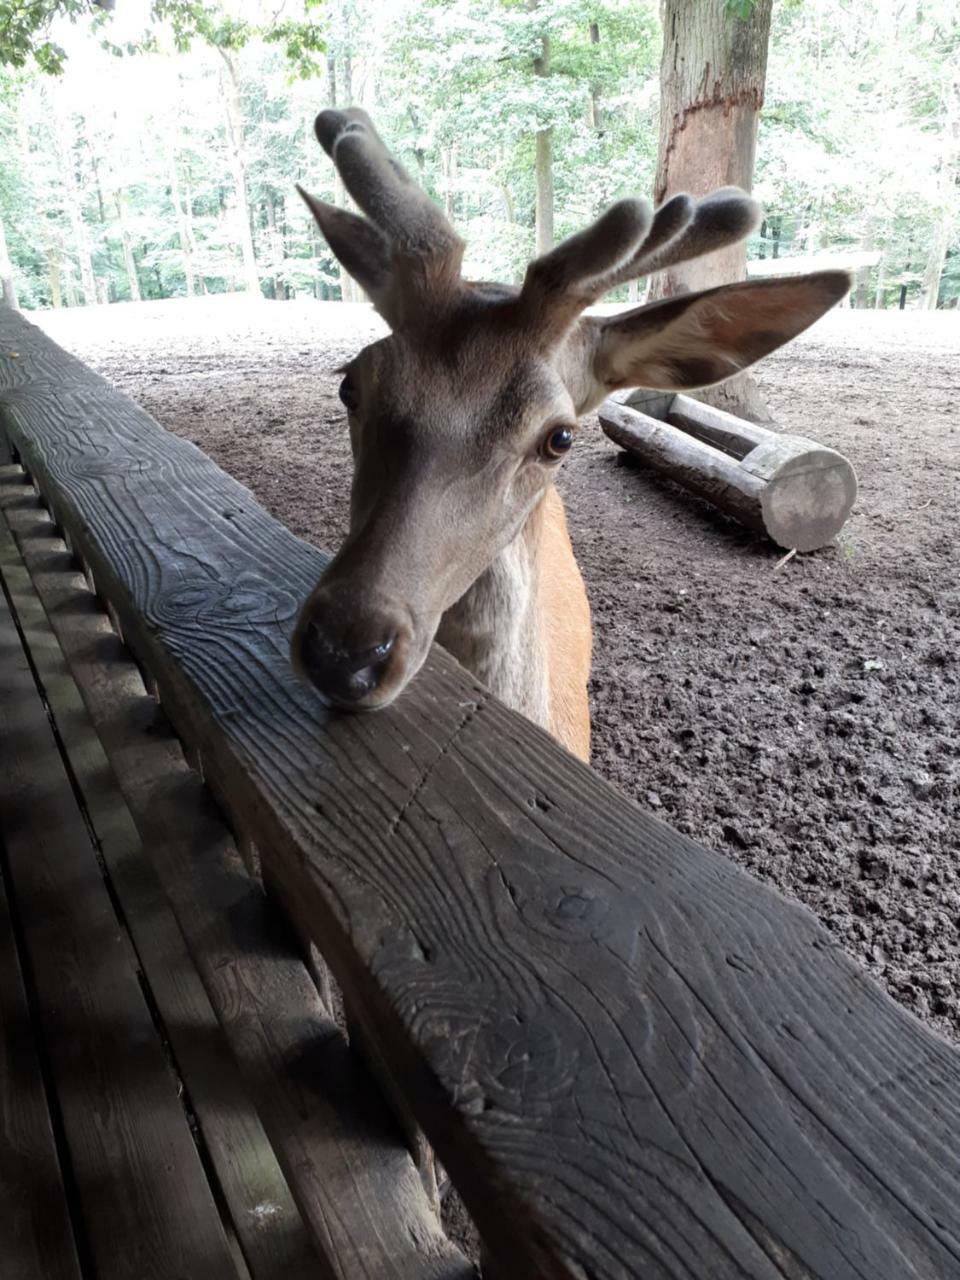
x=495, y=629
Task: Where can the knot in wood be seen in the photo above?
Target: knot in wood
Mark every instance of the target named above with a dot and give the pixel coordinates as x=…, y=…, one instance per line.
x=523, y=1062
x=248, y=601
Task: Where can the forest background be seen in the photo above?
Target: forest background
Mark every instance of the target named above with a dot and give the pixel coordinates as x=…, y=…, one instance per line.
x=164, y=165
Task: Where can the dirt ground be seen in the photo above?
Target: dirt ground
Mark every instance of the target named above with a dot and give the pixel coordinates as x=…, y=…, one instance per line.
x=804, y=719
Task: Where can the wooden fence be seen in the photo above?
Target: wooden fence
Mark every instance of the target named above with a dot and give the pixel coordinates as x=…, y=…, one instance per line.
x=633, y=1059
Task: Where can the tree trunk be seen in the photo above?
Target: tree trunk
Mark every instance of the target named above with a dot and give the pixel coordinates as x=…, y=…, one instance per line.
x=230, y=88
x=7, y=284
x=128, y=258
x=712, y=79
x=187, y=245
x=544, y=164
x=879, y=299
x=276, y=246
x=949, y=171
x=936, y=259
x=448, y=170
x=861, y=298
x=71, y=191
x=54, y=257
x=593, y=101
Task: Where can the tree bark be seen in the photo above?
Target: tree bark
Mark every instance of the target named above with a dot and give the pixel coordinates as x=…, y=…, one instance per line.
x=593, y=101
x=448, y=170
x=7, y=283
x=712, y=80
x=861, y=299
x=936, y=260
x=544, y=163
x=879, y=297
x=276, y=246
x=54, y=257
x=129, y=261
x=187, y=245
x=949, y=171
x=71, y=191
x=230, y=89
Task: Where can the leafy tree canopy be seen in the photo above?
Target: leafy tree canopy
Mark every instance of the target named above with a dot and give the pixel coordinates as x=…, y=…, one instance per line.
x=25, y=30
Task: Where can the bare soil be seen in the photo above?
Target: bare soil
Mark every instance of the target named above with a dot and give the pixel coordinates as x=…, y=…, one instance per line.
x=804, y=718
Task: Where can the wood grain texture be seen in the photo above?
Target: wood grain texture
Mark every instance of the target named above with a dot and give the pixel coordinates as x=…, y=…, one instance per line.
x=264, y=1217
x=347, y=1164
x=146, y=1206
x=633, y=1059
x=36, y=1239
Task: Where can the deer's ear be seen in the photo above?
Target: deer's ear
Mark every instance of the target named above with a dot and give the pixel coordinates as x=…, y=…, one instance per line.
x=361, y=248
x=700, y=338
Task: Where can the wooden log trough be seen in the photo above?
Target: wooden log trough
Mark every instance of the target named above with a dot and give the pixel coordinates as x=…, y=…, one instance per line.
x=634, y=1060
x=791, y=488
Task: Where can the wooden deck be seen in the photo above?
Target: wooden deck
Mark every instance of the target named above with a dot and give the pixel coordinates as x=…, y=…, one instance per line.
x=634, y=1060
x=130, y=1145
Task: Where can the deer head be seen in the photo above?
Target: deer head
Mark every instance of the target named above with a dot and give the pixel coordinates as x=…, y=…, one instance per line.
x=460, y=418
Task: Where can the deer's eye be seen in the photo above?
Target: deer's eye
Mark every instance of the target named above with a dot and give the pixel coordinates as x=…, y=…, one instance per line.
x=556, y=443
x=349, y=394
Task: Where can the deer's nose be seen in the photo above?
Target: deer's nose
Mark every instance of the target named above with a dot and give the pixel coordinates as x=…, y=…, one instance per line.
x=344, y=675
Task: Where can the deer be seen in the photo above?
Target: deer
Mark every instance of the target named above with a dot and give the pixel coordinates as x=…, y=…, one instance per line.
x=461, y=417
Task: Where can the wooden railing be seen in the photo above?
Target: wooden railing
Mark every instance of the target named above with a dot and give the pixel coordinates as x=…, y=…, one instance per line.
x=633, y=1059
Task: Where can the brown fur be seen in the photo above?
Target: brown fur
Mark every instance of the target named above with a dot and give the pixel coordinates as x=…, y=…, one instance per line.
x=566, y=630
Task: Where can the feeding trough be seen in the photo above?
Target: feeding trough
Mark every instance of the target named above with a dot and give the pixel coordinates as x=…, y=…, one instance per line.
x=795, y=490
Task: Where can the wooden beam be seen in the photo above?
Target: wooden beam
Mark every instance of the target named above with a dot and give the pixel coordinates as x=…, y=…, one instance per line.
x=632, y=1058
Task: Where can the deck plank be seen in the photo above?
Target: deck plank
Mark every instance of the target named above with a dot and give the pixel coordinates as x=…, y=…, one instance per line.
x=146, y=1205
x=348, y=1166
x=36, y=1238
x=269, y=1229
x=632, y=1057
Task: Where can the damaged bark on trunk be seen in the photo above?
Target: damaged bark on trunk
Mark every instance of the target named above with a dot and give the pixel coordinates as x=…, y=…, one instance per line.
x=712, y=79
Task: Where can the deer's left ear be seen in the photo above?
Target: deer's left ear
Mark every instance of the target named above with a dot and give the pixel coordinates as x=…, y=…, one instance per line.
x=700, y=338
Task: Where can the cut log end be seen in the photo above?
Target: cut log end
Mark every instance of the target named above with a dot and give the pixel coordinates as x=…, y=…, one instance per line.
x=806, y=504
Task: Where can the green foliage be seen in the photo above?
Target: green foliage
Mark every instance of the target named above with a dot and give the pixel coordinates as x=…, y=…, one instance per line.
x=851, y=147
x=130, y=163
x=24, y=28
x=461, y=97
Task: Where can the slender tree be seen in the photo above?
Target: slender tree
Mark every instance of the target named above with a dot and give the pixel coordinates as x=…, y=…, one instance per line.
x=7, y=283
x=947, y=180
x=233, y=115
x=72, y=193
x=544, y=162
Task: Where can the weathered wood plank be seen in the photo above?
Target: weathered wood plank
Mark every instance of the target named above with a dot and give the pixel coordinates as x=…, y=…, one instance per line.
x=631, y=1057
x=146, y=1205
x=346, y=1161
x=36, y=1239
x=267, y=1223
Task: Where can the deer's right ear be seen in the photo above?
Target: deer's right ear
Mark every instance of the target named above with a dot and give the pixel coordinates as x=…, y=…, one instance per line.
x=361, y=248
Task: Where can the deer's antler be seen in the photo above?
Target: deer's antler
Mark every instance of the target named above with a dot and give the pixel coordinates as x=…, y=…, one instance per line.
x=405, y=227
x=408, y=257
x=626, y=242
